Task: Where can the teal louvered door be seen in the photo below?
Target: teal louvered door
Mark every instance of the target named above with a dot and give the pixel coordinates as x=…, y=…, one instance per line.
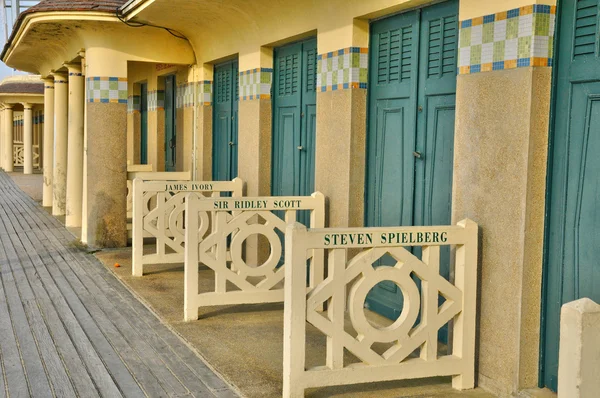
x=144, y=123
x=170, y=118
x=225, y=121
x=294, y=120
x=410, y=137
x=572, y=262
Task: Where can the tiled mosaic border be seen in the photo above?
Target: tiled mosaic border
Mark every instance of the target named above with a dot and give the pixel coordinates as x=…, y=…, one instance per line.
x=107, y=89
x=256, y=84
x=205, y=88
x=516, y=38
x=156, y=100
x=185, y=95
x=133, y=104
x=343, y=69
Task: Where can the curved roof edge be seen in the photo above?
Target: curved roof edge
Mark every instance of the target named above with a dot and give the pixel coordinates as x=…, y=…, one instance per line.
x=58, y=6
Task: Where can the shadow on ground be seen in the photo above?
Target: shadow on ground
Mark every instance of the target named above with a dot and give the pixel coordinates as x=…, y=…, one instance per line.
x=244, y=343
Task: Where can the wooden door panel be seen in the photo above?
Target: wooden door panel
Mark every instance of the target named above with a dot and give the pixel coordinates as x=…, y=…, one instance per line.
x=225, y=105
x=410, y=137
x=572, y=270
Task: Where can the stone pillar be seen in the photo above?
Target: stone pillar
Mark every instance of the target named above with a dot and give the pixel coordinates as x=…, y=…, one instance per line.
x=204, y=127
x=341, y=126
x=254, y=136
x=579, y=354
x=499, y=181
x=75, y=147
x=106, y=148
x=84, y=235
x=59, y=181
x=2, y=137
x=27, y=139
x=8, y=138
x=48, y=142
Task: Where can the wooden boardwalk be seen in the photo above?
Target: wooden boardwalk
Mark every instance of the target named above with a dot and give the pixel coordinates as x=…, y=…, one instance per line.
x=69, y=328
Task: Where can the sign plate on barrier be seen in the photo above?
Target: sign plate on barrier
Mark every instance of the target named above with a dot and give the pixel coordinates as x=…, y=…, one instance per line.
x=235, y=219
x=406, y=349
x=158, y=212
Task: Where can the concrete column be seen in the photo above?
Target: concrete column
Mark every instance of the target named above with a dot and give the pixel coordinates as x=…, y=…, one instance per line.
x=48, y=166
x=75, y=147
x=254, y=140
x=59, y=179
x=27, y=139
x=579, y=355
x=84, y=229
x=106, y=121
x=499, y=180
x=204, y=127
x=2, y=137
x=340, y=153
x=8, y=139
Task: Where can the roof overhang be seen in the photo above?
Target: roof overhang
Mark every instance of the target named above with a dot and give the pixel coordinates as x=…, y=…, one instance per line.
x=16, y=98
x=43, y=41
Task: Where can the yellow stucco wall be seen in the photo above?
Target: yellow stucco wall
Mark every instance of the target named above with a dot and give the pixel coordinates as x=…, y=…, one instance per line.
x=478, y=8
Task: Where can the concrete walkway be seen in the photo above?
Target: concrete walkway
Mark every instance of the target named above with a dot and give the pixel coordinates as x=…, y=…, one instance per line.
x=69, y=328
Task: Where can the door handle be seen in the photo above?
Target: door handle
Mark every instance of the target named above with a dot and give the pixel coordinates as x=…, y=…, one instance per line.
x=300, y=148
x=231, y=143
x=172, y=143
x=418, y=155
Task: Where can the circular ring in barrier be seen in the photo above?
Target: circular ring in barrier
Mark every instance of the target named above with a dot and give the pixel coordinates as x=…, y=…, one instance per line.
x=358, y=294
x=236, y=250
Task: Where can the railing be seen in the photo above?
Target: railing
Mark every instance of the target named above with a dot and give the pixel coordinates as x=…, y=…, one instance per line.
x=222, y=250
x=18, y=154
x=36, y=156
x=148, y=176
x=158, y=212
x=380, y=353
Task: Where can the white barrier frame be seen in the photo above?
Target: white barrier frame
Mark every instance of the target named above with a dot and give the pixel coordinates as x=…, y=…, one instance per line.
x=168, y=213
x=357, y=276
x=145, y=173
x=214, y=252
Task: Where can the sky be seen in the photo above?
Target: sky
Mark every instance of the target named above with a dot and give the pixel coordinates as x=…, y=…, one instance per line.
x=6, y=71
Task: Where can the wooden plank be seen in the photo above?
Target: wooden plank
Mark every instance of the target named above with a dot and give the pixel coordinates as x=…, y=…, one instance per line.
x=2, y=382
x=85, y=348
x=146, y=332
x=187, y=356
x=196, y=384
x=53, y=363
x=135, y=351
x=13, y=367
x=91, y=314
x=72, y=362
x=108, y=355
x=65, y=272
x=32, y=362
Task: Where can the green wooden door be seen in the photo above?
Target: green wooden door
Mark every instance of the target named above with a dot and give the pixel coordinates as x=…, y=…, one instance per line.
x=410, y=136
x=573, y=223
x=144, y=123
x=225, y=121
x=170, y=118
x=294, y=119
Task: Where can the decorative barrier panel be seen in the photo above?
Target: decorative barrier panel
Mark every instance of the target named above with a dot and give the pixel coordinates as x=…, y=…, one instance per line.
x=150, y=176
x=158, y=208
x=36, y=156
x=222, y=250
x=406, y=349
x=135, y=168
x=18, y=155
